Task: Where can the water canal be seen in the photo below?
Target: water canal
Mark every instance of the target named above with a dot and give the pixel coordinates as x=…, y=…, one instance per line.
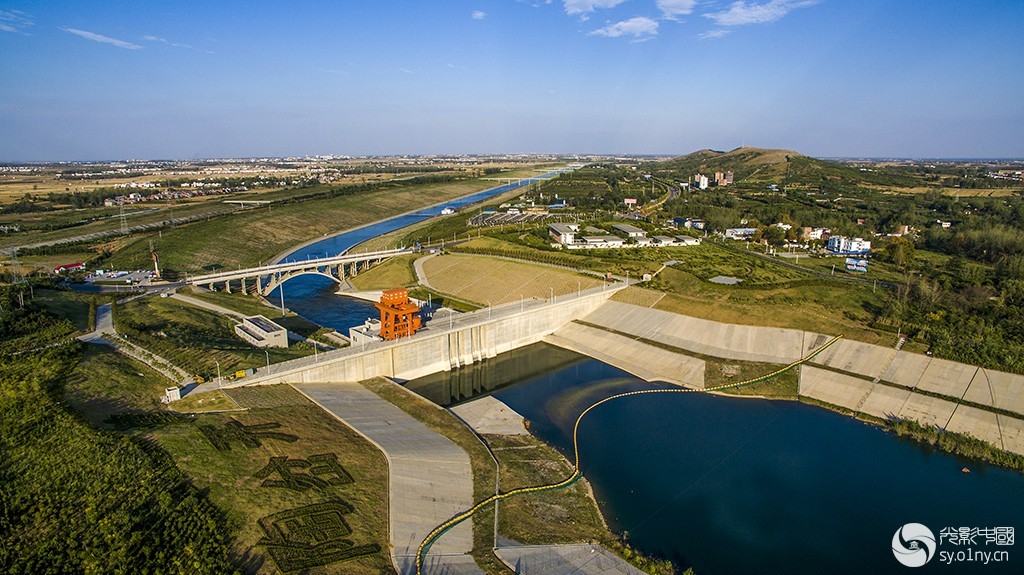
x=315, y=297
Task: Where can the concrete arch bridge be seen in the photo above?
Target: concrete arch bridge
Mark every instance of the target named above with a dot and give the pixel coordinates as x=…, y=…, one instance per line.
x=264, y=279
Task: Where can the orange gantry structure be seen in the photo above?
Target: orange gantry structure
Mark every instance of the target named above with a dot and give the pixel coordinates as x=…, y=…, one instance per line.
x=399, y=316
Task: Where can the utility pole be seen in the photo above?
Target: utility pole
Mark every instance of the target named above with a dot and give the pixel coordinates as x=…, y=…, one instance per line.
x=280, y=288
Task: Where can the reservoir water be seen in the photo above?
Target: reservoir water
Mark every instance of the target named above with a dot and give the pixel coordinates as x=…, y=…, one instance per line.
x=735, y=486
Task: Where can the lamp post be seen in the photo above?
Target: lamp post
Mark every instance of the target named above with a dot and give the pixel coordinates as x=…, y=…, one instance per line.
x=552, y=298
x=268, y=361
x=488, y=310
x=219, y=380
x=579, y=289
x=522, y=303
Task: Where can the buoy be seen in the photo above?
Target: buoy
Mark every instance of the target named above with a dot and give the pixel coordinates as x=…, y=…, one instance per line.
x=965, y=470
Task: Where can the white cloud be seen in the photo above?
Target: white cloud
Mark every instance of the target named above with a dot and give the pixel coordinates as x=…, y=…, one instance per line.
x=716, y=33
x=673, y=8
x=741, y=12
x=585, y=7
x=152, y=38
x=479, y=14
x=640, y=28
x=102, y=39
x=14, y=20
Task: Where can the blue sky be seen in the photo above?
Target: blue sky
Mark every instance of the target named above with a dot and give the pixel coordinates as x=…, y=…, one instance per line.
x=116, y=80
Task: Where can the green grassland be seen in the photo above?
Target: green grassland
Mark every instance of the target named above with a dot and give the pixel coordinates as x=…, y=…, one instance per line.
x=229, y=476
x=105, y=382
x=194, y=339
x=120, y=500
x=75, y=307
x=234, y=301
x=393, y=273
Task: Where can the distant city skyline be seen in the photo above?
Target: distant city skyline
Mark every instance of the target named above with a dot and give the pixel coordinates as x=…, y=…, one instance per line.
x=183, y=80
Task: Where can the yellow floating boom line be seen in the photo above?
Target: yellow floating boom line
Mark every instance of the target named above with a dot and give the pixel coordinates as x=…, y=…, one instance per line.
x=575, y=476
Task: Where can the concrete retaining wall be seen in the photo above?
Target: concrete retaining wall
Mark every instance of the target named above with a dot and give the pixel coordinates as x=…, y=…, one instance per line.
x=474, y=337
x=731, y=341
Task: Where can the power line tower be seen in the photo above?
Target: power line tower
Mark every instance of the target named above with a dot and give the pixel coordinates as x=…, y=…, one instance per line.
x=18, y=279
x=124, y=222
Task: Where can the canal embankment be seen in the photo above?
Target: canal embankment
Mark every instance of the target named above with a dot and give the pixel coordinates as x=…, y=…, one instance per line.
x=859, y=378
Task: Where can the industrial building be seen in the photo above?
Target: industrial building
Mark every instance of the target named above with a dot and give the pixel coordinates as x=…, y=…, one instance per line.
x=261, y=332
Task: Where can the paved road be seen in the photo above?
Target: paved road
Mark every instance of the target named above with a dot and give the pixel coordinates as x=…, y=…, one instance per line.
x=430, y=478
x=421, y=275
x=104, y=325
x=207, y=305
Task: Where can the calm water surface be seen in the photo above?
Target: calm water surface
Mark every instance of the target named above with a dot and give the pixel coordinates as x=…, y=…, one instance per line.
x=737, y=486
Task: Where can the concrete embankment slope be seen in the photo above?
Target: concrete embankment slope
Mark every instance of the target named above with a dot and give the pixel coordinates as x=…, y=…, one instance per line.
x=863, y=378
x=430, y=477
x=642, y=360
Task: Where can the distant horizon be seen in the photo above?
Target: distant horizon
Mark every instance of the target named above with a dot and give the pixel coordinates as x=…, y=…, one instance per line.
x=498, y=154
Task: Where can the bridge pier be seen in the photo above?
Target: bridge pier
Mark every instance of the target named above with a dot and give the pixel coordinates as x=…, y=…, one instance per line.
x=245, y=290
x=227, y=286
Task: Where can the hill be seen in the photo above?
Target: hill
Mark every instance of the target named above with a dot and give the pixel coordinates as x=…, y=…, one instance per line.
x=785, y=167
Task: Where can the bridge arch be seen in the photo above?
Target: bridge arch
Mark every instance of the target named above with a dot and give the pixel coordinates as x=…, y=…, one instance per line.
x=276, y=281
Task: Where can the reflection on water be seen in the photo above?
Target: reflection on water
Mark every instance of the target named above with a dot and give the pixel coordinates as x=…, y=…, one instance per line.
x=451, y=387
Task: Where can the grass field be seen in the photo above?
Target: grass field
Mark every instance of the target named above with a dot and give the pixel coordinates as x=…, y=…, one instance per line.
x=562, y=516
x=482, y=279
x=66, y=304
x=194, y=339
x=230, y=476
x=708, y=260
x=821, y=306
x=105, y=382
x=393, y=273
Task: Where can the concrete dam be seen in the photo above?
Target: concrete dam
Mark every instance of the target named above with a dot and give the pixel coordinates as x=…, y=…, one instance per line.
x=855, y=377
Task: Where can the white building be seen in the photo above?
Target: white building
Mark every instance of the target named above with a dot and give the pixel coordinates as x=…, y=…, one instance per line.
x=687, y=241
x=564, y=233
x=740, y=233
x=843, y=245
x=630, y=231
x=261, y=332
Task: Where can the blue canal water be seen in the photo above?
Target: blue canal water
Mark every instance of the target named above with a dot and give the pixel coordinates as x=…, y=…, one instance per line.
x=735, y=486
x=315, y=298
